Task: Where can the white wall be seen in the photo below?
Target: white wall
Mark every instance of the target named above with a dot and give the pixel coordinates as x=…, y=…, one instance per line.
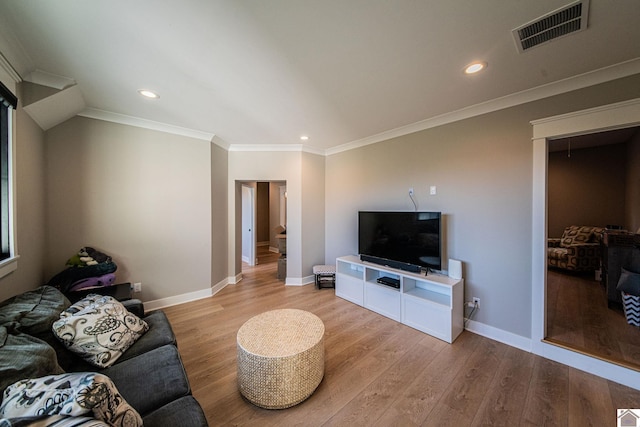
x=142, y=196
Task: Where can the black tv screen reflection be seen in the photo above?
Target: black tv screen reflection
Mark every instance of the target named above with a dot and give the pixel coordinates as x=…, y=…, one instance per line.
x=404, y=237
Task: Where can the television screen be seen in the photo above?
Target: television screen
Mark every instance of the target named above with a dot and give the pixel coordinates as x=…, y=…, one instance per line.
x=407, y=237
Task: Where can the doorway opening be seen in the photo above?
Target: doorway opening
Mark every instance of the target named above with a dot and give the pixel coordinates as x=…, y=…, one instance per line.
x=590, y=188
x=263, y=219
x=610, y=117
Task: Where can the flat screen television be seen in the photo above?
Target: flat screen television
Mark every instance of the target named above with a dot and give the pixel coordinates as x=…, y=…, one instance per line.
x=406, y=240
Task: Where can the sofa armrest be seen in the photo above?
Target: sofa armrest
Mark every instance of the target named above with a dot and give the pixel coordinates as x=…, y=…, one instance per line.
x=135, y=306
x=553, y=243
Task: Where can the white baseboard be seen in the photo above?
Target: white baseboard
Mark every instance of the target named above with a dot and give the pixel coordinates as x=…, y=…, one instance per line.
x=591, y=365
x=299, y=281
x=219, y=286
x=182, y=298
x=274, y=249
x=505, y=337
x=177, y=299
x=234, y=280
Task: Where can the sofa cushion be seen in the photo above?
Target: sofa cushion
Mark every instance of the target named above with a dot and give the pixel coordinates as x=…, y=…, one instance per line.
x=185, y=411
x=576, y=234
x=150, y=380
x=159, y=334
x=99, y=329
x=134, y=306
x=52, y=421
x=72, y=395
x=23, y=356
x=35, y=311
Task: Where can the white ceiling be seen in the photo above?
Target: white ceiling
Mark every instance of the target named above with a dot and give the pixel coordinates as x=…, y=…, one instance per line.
x=340, y=71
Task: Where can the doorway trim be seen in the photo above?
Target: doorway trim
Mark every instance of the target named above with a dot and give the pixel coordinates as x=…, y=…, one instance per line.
x=609, y=117
x=248, y=219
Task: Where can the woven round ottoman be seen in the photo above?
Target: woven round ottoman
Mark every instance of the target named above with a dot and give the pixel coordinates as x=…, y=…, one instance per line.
x=280, y=357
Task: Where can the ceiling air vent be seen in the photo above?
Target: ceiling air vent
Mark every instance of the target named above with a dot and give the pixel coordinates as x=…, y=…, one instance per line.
x=569, y=19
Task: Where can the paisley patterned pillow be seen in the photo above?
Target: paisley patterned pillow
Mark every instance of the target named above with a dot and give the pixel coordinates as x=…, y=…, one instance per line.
x=99, y=329
x=70, y=397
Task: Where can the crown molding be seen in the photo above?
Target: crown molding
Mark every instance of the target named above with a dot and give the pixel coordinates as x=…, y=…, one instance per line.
x=8, y=68
x=613, y=116
x=265, y=147
x=592, y=78
x=635, y=102
x=123, y=119
x=275, y=148
x=581, y=81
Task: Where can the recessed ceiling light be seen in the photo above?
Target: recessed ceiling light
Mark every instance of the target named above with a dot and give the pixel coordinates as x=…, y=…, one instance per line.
x=304, y=138
x=475, y=67
x=148, y=93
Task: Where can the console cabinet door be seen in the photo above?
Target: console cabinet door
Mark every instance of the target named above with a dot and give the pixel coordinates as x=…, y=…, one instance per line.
x=350, y=288
x=383, y=300
x=428, y=317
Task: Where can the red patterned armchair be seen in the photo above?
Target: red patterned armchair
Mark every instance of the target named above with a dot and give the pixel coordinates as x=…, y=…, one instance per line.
x=578, y=249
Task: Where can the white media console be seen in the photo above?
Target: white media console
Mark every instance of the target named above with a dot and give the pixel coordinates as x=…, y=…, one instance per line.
x=433, y=304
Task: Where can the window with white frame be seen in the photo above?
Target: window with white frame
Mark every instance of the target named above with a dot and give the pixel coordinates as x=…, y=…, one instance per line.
x=8, y=103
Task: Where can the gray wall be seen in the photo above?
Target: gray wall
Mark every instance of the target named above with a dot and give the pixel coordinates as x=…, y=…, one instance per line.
x=313, y=211
x=262, y=212
x=482, y=168
x=274, y=211
x=219, y=219
x=588, y=188
x=304, y=175
x=29, y=201
x=142, y=196
x=632, y=218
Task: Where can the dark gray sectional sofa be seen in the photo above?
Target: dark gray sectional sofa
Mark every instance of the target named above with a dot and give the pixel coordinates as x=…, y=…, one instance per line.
x=149, y=375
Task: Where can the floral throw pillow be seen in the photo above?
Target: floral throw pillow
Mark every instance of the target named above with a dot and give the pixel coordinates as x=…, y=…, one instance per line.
x=52, y=421
x=99, y=329
x=82, y=394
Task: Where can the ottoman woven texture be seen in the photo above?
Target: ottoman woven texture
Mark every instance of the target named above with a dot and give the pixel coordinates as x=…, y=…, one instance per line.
x=280, y=357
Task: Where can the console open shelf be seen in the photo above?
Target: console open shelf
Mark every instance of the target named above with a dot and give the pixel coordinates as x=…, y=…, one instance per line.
x=432, y=304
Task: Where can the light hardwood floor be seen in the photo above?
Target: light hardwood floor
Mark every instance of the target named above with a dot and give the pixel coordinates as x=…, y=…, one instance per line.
x=381, y=373
x=578, y=317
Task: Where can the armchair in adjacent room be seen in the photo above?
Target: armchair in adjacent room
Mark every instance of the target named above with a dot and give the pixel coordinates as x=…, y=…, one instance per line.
x=579, y=249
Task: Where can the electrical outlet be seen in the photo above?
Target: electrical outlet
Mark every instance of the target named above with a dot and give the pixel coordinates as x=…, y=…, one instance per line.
x=411, y=191
x=476, y=302
x=137, y=287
